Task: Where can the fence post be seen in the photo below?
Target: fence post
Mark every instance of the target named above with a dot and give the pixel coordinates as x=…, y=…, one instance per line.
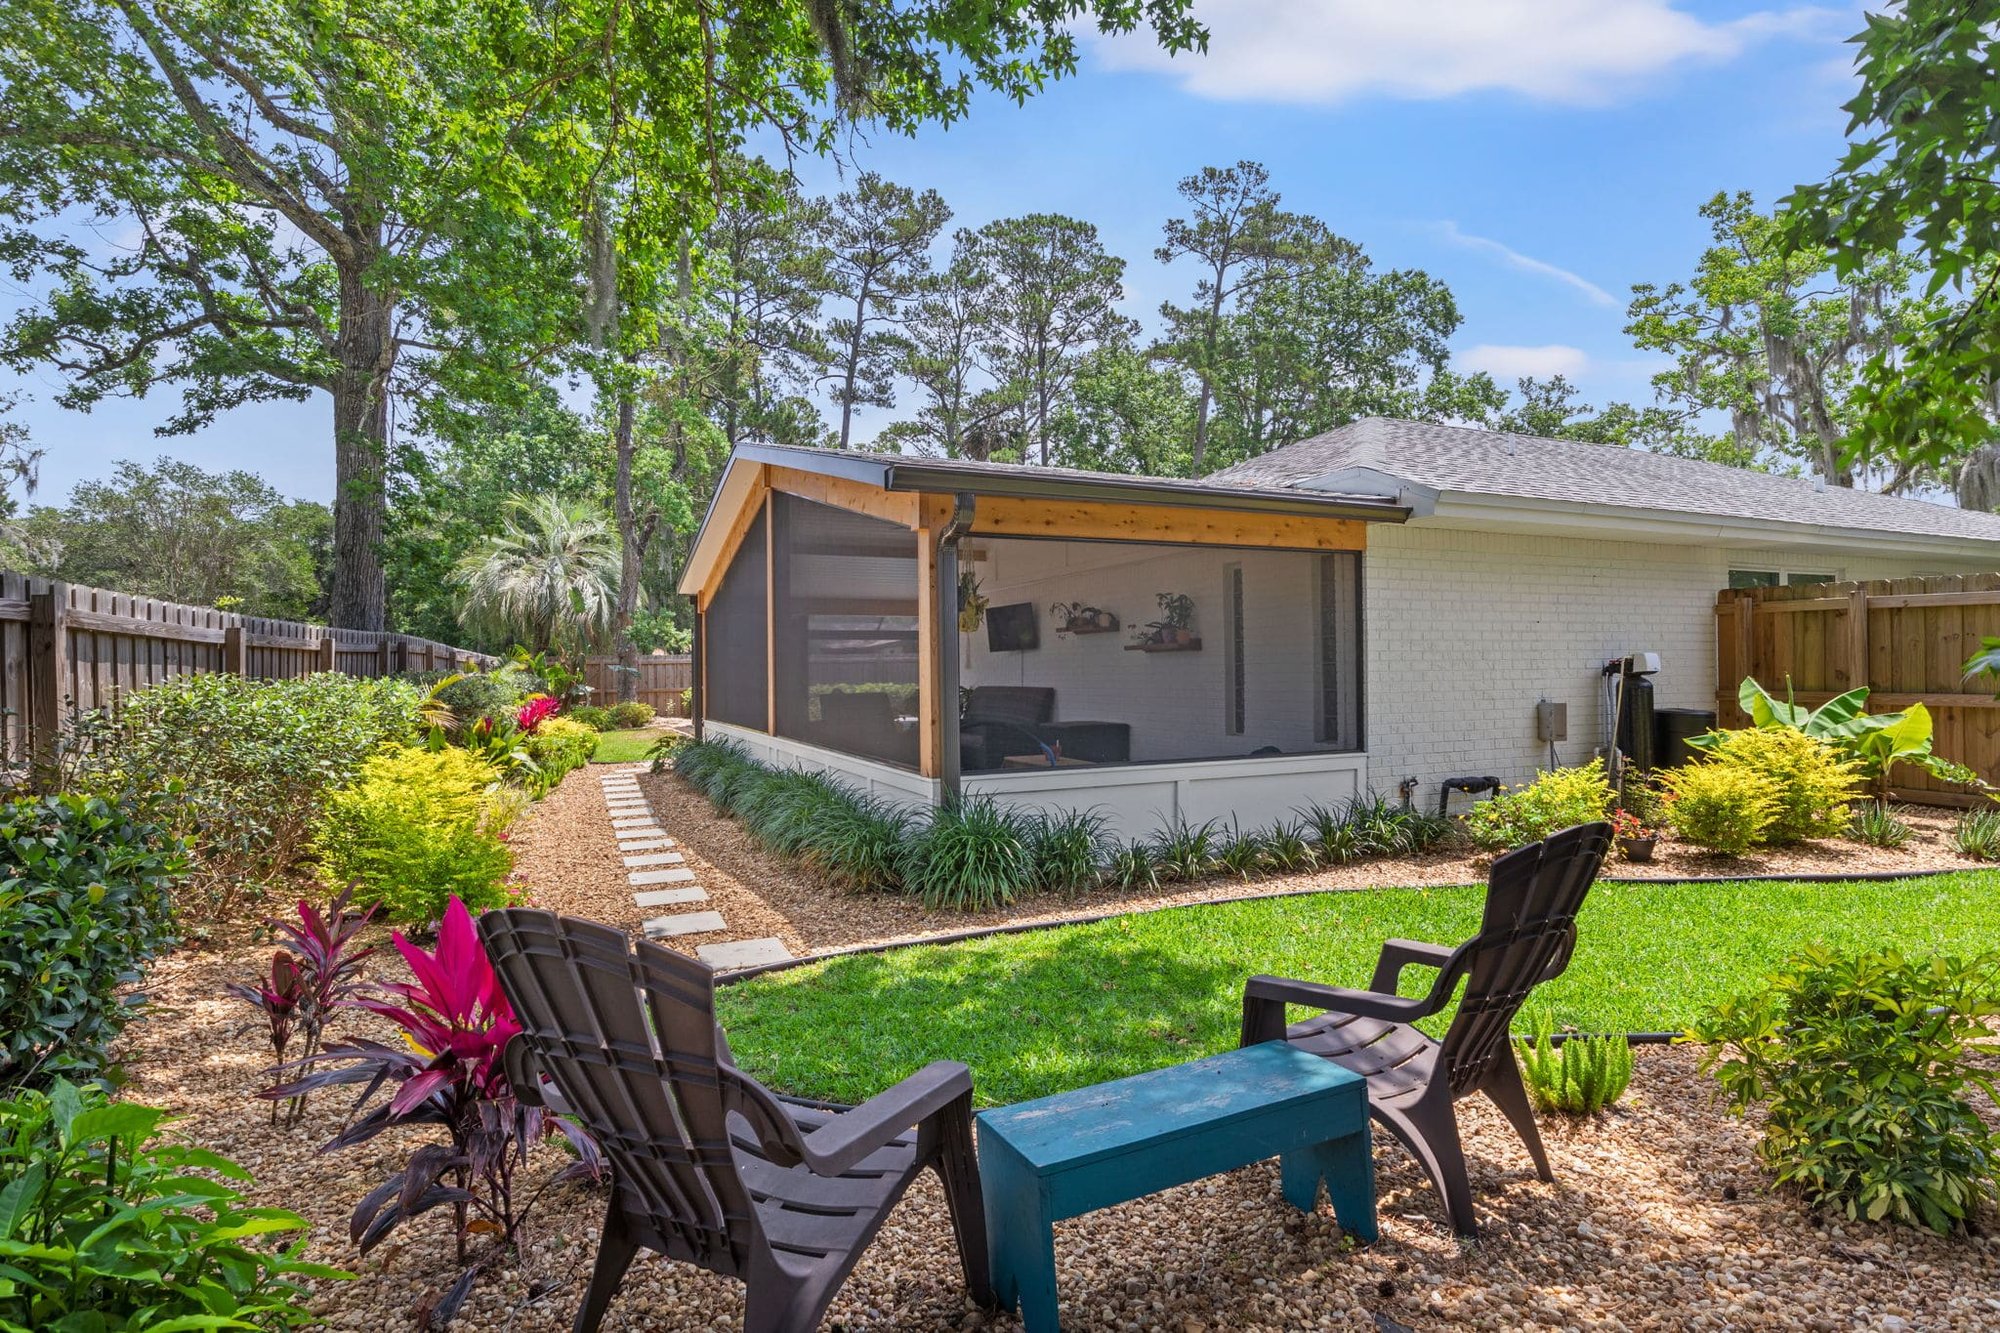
x=48, y=668
x=1857, y=636
x=235, y=651
x=329, y=658
x=382, y=658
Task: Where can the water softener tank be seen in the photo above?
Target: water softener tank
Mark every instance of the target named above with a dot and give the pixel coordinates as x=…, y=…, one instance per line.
x=1635, y=722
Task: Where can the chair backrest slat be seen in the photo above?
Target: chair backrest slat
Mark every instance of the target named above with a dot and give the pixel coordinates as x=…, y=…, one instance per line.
x=627, y=1033
x=1532, y=898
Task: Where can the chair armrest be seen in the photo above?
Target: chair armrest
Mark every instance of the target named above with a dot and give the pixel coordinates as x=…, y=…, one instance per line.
x=1265, y=998
x=525, y=1078
x=1398, y=954
x=842, y=1142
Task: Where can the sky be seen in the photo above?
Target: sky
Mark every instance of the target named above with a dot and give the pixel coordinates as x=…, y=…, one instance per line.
x=1539, y=156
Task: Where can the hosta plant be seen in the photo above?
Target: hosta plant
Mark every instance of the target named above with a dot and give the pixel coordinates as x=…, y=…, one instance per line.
x=448, y=1072
x=1578, y=1076
x=1865, y=1069
x=105, y=1227
x=316, y=972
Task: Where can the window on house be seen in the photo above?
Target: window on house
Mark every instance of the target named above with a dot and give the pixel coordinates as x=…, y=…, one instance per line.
x=1232, y=601
x=1773, y=578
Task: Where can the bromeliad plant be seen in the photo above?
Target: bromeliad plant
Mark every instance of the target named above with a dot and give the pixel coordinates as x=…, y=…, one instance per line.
x=310, y=977
x=535, y=712
x=449, y=1072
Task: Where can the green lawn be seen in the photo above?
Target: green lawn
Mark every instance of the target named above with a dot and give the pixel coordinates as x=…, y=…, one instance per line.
x=1050, y=1010
x=625, y=747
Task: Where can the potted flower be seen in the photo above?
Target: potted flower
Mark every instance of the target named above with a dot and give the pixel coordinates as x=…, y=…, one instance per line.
x=1636, y=839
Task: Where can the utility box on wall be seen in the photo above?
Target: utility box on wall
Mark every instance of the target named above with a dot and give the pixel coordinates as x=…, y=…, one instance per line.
x=1551, y=721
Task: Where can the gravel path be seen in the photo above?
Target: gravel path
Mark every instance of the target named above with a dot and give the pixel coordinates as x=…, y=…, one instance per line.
x=1640, y=1231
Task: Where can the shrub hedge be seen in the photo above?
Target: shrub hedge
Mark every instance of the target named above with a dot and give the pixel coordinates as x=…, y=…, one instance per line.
x=1556, y=800
x=86, y=894
x=246, y=766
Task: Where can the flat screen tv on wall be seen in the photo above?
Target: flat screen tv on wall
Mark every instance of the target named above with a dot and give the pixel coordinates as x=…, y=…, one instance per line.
x=1012, y=628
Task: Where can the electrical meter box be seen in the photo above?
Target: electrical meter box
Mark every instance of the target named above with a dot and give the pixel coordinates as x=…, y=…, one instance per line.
x=1551, y=721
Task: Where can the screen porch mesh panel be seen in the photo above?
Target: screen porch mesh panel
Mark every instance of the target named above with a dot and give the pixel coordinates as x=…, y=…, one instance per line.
x=846, y=631
x=1218, y=653
x=733, y=643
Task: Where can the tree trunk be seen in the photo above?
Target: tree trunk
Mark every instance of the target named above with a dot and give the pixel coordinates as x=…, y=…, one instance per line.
x=629, y=554
x=360, y=446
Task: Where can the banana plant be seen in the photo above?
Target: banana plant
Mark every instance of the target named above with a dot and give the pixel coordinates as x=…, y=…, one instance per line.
x=1877, y=741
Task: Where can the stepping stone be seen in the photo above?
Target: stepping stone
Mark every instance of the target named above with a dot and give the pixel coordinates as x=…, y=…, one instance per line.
x=687, y=923
x=676, y=875
x=626, y=809
x=654, y=859
x=634, y=799
x=670, y=897
x=636, y=826
x=647, y=845
x=615, y=793
x=743, y=953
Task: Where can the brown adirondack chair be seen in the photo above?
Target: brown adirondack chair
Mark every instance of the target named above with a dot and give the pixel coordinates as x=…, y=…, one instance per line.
x=708, y=1166
x=1525, y=938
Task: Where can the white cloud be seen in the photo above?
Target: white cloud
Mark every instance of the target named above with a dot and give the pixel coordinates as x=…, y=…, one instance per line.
x=1514, y=259
x=1507, y=364
x=1575, y=51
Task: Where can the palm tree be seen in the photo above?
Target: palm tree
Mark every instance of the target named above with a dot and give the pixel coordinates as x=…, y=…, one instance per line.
x=547, y=579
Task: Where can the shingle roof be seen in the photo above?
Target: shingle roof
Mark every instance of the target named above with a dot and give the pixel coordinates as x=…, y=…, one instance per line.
x=1472, y=461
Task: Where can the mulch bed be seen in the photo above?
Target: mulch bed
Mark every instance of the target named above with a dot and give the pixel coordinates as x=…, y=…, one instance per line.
x=1660, y=1217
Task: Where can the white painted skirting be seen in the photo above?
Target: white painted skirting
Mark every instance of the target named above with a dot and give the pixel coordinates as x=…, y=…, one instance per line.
x=1137, y=800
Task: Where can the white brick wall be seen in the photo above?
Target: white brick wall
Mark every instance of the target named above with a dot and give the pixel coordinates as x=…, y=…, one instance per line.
x=1467, y=629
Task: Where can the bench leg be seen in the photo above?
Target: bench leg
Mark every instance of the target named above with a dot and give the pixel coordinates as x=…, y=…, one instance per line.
x=1021, y=1235
x=1347, y=1165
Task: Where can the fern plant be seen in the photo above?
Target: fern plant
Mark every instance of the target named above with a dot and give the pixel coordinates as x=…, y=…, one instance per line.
x=1580, y=1077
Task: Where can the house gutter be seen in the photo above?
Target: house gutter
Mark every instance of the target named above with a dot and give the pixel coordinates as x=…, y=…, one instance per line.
x=894, y=472
x=963, y=505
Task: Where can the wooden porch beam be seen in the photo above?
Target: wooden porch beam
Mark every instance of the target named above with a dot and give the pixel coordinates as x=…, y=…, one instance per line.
x=1001, y=516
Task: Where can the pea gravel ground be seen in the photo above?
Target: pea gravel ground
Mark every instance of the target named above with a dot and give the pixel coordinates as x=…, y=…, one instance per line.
x=1660, y=1218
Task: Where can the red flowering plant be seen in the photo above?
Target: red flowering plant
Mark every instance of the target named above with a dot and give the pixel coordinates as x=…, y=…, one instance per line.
x=311, y=976
x=1625, y=824
x=536, y=711
x=455, y=1023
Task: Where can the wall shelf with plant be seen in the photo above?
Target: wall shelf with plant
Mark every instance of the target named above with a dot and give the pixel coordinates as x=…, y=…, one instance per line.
x=1173, y=632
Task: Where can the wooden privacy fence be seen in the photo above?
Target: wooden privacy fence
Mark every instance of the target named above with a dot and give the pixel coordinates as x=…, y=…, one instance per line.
x=663, y=678
x=65, y=647
x=1905, y=639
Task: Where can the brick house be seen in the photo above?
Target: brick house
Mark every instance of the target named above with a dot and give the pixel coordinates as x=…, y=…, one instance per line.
x=1382, y=605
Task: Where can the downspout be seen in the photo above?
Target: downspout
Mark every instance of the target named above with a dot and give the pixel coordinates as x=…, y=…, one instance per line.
x=947, y=647
x=697, y=705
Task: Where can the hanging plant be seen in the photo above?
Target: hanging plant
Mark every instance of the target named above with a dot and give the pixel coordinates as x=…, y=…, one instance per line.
x=971, y=603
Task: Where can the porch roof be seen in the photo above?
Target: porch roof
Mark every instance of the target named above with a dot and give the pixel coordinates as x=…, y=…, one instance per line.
x=903, y=475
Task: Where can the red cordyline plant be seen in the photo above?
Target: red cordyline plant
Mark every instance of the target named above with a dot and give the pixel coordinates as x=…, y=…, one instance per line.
x=455, y=1024
x=310, y=977
x=536, y=711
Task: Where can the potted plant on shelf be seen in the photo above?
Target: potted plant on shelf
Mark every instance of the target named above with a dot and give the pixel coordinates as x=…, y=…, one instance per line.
x=1636, y=838
x=1177, y=611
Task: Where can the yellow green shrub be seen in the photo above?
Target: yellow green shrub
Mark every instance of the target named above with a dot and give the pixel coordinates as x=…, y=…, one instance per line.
x=418, y=827
x=1814, y=783
x=1555, y=800
x=559, y=746
x=1722, y=807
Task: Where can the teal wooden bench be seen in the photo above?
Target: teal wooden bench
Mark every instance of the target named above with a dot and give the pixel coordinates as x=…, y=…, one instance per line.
x=1074, y=1153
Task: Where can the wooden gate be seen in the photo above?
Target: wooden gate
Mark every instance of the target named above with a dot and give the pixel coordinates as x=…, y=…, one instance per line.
x=1907, y=640
x=663, y=679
